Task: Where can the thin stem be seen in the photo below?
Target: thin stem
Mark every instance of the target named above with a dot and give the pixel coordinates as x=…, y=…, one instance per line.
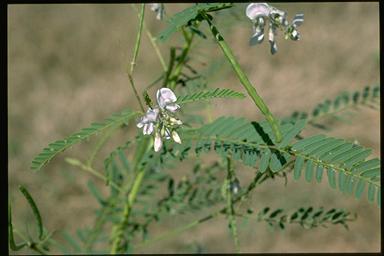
x=135, y=53
x=76, y=162
x=153, y=42
x=138, y=38
x=177, y=231
x=244, y=79
x=181, y=62
x=257, y=181
x=154, y=82
x=118, y=230
x=135, y=91
x=98, y=146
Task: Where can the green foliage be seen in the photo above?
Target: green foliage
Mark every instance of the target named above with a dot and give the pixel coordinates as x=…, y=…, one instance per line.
x=187, y=15
x=338, y=156
x=308, y=217
x=43, y=238
x=249, y=141
x=209, y=94
x=35, y=210
x=143, y=190
x=245, y=140
x=56, y=147
x=12, y=243
x=368, y=97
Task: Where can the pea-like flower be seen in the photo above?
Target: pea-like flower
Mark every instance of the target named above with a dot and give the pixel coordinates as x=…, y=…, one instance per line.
x=159, y=9
x=161, y=120
x=258, y=13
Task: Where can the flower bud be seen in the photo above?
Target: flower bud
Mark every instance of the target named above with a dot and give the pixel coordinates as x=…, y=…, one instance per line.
x=176, y=137
x=158, y=143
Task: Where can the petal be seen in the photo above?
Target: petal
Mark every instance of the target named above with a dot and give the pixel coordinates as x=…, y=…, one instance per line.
x=158, y=143
x=258, y=32
x=140, y=124
x=271, y=38
x=152, y=114
x=172, y=107
x=148, y=128
x=255, y=10
x=155, y=7
x=298, y=19
x=165, y=96
x=176, y=137
x=257, y=38
x=273, y=47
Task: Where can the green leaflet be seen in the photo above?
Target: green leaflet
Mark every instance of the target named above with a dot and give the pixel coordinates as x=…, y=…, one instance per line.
x=331, y=178
x=298, y=166
x=319, y=173
x=35, y=210
x=296, y=129
x=210, y=94
x=309, y=171
x=345, y=100
x=56, y=147
x=264, y=161
x=307, y=217
x=182, y=18
x=346, y=163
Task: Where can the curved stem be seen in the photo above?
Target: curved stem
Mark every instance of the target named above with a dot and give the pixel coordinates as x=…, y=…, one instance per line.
x=244, y=79
x=76, y=162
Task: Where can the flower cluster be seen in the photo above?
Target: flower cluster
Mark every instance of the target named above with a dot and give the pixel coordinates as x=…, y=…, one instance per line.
x=159, y=10
x=258, y=13
x=160, y=120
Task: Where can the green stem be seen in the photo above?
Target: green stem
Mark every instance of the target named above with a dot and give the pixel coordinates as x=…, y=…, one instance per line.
x=178, y=231
x=244, y=79
x=135, y=53
x=181, y=62
x=153, y=42
x=78, y=163
x=257, y=180
x=118, y=230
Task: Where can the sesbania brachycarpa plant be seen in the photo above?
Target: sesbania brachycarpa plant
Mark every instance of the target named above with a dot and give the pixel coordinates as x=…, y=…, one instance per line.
x=143, y=189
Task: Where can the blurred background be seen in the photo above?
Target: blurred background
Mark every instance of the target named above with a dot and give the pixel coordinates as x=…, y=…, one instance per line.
x=67, y=68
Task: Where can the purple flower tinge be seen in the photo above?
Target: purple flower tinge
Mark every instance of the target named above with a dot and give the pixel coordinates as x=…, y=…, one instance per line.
x=258, y=13
x=160, y=119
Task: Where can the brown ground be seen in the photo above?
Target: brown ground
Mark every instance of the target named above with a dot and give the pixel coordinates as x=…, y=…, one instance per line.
x=67, y=69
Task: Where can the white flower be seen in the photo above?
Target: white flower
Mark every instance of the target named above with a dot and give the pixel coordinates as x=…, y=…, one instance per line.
x=255, y=10
x=160, y=119
x=259, y=12
x=166, y=99
x=147, y=122
x=159, y=9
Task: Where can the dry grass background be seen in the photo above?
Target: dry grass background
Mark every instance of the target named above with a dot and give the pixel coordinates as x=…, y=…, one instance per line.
x=66, y=69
